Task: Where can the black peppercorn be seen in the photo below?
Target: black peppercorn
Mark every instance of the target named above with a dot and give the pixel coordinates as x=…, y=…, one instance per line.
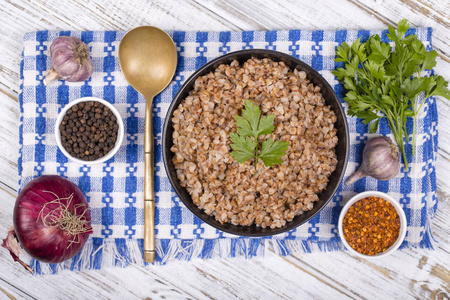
x=85, y=128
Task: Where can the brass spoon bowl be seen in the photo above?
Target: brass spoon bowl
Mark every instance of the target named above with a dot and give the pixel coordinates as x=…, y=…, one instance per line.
x=148, y=59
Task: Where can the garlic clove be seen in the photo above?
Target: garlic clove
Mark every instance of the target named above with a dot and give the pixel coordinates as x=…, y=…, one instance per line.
x=51, y=75
x=355, y=177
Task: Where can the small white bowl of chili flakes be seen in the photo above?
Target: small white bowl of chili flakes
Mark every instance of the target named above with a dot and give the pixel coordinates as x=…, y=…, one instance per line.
x=372, y=225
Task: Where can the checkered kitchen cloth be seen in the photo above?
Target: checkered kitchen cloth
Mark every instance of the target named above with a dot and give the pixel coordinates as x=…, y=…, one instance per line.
x=115, y=189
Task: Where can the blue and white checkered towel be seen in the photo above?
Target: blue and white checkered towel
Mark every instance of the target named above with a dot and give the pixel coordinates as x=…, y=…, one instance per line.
x=115, y=189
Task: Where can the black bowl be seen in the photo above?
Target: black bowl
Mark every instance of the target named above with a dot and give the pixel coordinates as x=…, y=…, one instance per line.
x=341, y=149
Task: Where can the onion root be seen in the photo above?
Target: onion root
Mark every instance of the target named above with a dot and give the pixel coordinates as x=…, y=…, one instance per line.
x=62, y=217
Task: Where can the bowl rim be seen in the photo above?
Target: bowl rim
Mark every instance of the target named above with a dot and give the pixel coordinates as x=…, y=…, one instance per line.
x=119, y=135
x=400, y=212
x=282, y=56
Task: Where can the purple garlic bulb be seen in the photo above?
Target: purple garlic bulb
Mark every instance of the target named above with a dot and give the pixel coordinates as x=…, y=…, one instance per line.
x=70, y=60
x=380, y=160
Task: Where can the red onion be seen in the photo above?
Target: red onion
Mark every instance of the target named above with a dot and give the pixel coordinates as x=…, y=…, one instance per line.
x=380, y=160
x=52, y=220
x=70, y=60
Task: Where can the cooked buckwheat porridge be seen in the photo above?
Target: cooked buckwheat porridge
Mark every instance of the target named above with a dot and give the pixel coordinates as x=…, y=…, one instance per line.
x=230, y=191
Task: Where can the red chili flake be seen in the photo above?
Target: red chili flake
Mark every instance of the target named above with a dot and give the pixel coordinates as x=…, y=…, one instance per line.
x=371, y=225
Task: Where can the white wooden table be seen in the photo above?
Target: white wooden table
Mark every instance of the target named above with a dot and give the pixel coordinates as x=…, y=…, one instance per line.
x=407, y=274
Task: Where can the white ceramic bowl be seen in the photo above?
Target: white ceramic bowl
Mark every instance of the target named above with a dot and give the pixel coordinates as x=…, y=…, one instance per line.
x=400, y=212
x=120, y=132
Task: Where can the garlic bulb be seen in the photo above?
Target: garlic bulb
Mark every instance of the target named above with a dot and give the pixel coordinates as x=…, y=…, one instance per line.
x=380, y=160
x=70, y=60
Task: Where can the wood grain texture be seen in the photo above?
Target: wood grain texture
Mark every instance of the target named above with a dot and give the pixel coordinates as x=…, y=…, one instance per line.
x=407, y=274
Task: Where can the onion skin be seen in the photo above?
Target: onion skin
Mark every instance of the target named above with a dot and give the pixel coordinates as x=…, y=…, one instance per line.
x=381, y=160
x=70, y=60
x=49, y=244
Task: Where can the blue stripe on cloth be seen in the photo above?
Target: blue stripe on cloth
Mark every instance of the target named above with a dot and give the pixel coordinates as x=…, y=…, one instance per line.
x=317, y=59
x=20, y=160
x=115, y=188
x=201, y=37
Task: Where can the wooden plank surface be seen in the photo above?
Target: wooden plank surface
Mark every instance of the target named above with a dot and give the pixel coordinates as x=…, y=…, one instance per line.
x=407, y=274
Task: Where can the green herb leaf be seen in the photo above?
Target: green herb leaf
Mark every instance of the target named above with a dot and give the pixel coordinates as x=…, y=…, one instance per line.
x=250, y=126
x=343, y=53
x=374, y=126
x=392, y=35
x=367, y=116
x=381, y=82
x=272, y=151
x=244, y=147
x=380, y=51
x=430, y=60
x=251, y=123
x=402, y=28
x=439, y=88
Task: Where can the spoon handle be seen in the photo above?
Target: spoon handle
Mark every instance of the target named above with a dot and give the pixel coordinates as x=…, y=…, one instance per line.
x=149, y=186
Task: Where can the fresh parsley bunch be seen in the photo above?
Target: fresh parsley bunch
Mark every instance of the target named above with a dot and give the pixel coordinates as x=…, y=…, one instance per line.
x=250, y=126
x=388, y=83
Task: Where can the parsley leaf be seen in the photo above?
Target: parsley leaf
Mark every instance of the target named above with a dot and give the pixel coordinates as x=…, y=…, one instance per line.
x=248, y=123
x=250, y=126
x=438, y=87
x=381, y=82
x=379, y=51
x=244, y=147
x=272, y=151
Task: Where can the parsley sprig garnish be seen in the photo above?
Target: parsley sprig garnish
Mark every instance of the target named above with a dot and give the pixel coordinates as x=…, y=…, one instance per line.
x=250, y=126
x=379, y=79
